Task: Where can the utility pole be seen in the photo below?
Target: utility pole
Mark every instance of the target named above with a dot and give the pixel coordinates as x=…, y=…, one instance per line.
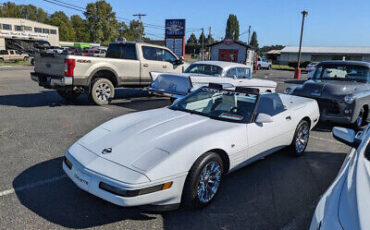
x=209, y=47
x=249, y=34
x=203, y=44
x=297, y=73
x=141, y=29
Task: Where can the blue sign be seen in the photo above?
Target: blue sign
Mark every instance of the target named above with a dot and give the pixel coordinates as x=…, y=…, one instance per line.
x=175, y=27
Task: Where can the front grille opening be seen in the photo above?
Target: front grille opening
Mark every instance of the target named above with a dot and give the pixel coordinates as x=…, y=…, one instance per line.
x=68, y=163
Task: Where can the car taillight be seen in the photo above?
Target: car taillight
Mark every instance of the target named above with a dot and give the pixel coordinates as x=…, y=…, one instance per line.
x=69, y=66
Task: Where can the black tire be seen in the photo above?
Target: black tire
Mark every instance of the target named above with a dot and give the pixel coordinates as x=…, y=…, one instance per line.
x=25, y=59
x=361, y=120
x=190, y=197
x=102, y=91
x=32, y=61
x=1, y=60
x=68, y=94
x=294, y=148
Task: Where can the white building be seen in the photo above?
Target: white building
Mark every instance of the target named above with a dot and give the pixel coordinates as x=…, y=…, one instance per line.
x=290, y=53
x=26, y=30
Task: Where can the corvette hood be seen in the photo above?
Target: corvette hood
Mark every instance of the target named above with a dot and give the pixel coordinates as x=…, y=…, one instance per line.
x=330, y=87
x=143, y=137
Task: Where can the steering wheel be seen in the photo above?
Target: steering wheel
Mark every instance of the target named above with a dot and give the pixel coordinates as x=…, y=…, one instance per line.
x=234, y=109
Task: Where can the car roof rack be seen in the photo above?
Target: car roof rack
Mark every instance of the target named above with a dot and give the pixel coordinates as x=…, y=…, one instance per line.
x=241, y=89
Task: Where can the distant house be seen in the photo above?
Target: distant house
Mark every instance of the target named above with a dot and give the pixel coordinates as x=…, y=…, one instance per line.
x=290, y=53
x=273, y=55
x=232, y=51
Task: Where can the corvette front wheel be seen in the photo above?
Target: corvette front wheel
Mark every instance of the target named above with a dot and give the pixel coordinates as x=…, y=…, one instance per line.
x=203, y=181
x=300, y=139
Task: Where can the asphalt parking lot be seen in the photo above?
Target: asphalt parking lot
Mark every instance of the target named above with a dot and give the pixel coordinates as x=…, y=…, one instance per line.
x=37, y=126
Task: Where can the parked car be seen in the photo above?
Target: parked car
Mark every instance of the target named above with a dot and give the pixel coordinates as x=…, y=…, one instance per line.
x=263, y=63
x=342, y=90
x=55, y=49
x=202, y=73
x=95, y=52
x=13, y=55
x=126, y=64
x=346, y=203
x=180, y=153
x=310, y=68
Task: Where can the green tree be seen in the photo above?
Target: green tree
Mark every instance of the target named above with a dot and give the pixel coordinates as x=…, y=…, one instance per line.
x=209, y=39
x=66, y=31
x=132, y=32
x=101, y=22
x=232, y=27
x=254, y=42
x=192, y=41
x=201, y=37
x=12, y=10
x=80, y=27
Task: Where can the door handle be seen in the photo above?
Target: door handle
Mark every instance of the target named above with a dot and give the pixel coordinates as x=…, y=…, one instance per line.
x=145, y=65
x=288, y=118
x=164, y=66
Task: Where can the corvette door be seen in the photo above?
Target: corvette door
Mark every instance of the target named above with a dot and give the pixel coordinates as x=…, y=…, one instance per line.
x=268, y=137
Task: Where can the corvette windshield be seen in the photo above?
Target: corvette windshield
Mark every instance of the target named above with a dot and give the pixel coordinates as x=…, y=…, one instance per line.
x=204, y=69
x=343, y=72
x=218, y=104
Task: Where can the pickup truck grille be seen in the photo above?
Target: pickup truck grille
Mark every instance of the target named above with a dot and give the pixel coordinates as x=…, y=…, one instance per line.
x=330, y=106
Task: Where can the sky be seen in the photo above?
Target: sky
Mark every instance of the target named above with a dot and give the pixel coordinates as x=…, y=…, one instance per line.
x=329, y=22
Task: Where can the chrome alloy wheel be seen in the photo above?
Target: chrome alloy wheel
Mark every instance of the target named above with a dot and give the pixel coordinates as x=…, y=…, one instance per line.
x=210, y=179
x=302, y=138
x=103, y=91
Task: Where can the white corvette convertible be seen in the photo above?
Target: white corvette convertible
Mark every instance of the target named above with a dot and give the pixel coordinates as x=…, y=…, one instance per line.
x=179, y=154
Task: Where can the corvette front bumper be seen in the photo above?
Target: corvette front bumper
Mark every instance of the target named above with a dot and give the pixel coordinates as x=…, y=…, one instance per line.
x=91, y=182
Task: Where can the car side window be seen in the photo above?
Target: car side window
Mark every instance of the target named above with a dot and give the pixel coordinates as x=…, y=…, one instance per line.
x=231, y=73
x=149, y=53
x=243, y=73
x=270, y=104
x=11, y=52
x=167, y=56
x=3, y=52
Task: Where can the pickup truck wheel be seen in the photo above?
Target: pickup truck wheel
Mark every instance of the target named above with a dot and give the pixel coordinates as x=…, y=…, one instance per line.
x=68, y=94
x=102, y=91
x=25, y=59
x=360, y=121
x=269, y=67
x=1, y=59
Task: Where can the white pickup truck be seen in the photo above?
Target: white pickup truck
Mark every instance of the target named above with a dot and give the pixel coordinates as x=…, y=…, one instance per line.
x=127, y=64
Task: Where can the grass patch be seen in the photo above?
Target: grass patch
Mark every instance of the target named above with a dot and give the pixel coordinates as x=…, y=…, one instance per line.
x=285, y=67
x=15, y=63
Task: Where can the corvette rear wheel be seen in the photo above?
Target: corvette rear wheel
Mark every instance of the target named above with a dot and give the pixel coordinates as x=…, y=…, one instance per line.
x=203, y=181
x=300, y=139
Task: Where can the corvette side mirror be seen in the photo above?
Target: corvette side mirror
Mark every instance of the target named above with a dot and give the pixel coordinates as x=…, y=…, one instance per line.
x=263, y=118
x=346, y=136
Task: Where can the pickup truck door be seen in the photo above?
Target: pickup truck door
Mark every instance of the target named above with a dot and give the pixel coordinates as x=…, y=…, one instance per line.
x=156, y=60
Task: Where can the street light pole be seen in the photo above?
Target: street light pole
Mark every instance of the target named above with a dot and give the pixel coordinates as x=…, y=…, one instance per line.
x=297, y=73
x=139, y=15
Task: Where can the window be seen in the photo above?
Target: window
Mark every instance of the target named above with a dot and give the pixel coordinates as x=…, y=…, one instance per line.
x=212, y=70
x=27, y=28
x=18, y=28
x=270, y=104
x=11, y=52
x=53, y=31
x=343, y=72
x=7, y=27
x=243, y=73
x=231, y=73
x=124, y=51
x=45, y=31
x=3, y=52
x=38, y=30
x=157, y=54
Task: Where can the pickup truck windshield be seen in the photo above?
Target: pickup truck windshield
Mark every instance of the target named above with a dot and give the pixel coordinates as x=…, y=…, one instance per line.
x=218, y=104
x=123, y=51
x=343, y=72
x=204, y=69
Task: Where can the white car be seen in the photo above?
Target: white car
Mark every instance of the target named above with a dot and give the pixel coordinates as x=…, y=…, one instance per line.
x=202, y=73
x=346, y=203
x=178, y=154
x=311, y=69
x=263, y=63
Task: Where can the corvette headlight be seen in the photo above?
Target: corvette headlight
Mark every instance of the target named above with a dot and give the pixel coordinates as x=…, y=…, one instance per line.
x=288, y=90
x=349, y=99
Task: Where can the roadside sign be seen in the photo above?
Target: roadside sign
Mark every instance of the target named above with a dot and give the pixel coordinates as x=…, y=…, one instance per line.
x=175, y=27
x=175, y=36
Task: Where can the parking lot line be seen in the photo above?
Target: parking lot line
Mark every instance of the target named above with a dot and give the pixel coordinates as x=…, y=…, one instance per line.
x=39, y=183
